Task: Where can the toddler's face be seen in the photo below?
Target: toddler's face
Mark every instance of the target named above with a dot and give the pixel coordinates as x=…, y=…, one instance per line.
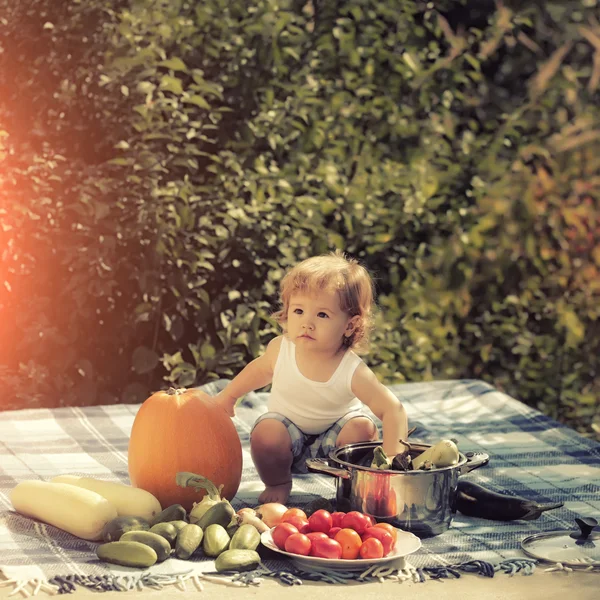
x=316, y=321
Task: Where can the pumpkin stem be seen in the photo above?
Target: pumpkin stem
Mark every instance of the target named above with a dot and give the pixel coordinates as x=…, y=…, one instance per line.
x=175, y=391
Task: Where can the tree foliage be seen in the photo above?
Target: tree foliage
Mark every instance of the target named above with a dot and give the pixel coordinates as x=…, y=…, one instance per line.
x=178, y=157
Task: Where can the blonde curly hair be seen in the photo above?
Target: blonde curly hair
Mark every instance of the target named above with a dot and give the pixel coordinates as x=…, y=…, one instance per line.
x=333, y=272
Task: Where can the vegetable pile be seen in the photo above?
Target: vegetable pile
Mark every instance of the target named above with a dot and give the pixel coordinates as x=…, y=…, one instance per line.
x=212, y=528
x=135, y=531
x=443, y=454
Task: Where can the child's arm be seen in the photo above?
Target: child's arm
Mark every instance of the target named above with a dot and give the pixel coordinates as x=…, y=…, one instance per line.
x=386, y=407
x=253, y=376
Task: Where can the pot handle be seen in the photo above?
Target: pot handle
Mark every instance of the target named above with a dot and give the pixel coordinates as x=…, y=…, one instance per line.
x=320, y=465
x=474, y=461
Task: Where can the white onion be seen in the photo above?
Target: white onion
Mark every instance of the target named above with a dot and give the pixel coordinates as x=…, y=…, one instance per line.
x=271, y=513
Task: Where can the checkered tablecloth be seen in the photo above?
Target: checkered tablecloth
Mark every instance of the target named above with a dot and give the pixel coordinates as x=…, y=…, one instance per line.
x=530, y=455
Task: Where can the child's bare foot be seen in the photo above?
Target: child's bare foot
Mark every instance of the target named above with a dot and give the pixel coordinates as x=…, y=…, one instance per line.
x=276, y=493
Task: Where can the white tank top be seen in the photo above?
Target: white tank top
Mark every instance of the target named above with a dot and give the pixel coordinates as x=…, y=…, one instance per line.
x=313, y=406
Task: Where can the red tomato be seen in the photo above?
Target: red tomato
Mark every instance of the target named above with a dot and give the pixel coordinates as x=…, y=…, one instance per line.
x=299, y=523
x=371, y=548
x=320, y=520
x=336, y=518
x=333, y=532
x=355, y=520
x=316, y=535
x=293, y=512
x=281, y=532
x=385, y=537
x=326, y=548
x=390, y=528
x=298, y=543
x=371, y=520
x=350, y=542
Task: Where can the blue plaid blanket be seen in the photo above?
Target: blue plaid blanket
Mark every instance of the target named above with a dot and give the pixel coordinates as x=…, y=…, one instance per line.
x=530, y=455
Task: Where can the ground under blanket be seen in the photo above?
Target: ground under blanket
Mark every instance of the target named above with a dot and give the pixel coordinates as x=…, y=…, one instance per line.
x=530, y=456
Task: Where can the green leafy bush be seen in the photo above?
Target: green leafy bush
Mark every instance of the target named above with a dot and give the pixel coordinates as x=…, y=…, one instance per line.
x=204, y=148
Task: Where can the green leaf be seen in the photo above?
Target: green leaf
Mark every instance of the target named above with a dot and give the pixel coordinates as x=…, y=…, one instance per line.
x=171, y=84
x=187, y=379
x=198, y=101
x=144, y=360
x=175, y=64
x=165, y=31
x=207, y=351
x=145, y=87
x=573, y=325
x=121, y=161
x=291, y=52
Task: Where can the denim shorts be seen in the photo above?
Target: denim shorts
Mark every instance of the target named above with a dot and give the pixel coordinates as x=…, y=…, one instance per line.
x=312, y=446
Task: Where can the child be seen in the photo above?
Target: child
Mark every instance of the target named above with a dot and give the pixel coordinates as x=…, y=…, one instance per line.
x=318, y=383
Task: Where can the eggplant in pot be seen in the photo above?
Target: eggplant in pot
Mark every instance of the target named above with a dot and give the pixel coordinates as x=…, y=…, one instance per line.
x=418, y=501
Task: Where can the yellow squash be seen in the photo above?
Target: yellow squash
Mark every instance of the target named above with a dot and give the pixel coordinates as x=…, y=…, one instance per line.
x=78, y=511
x=128, y=500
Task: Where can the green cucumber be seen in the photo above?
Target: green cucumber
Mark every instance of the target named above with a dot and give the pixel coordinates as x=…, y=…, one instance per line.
x=220, y=513
x=157, y=542
x=232, y=528
x=215, y=541
x=237, y=560
x=175, y=512
x=127, y=554
x=114, y=529
x=245, y=538
x=179, y=525
x=166, y=530
x=188, y=541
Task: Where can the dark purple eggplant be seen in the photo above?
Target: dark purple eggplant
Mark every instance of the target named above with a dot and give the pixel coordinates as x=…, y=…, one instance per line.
x=474, y=500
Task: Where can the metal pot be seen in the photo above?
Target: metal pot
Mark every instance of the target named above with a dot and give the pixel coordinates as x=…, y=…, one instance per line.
x=421, y=502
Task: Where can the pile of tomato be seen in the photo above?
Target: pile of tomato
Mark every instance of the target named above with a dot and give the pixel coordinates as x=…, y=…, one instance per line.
x=337, y=535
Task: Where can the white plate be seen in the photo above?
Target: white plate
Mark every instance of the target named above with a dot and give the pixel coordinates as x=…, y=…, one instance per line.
x=406, y=543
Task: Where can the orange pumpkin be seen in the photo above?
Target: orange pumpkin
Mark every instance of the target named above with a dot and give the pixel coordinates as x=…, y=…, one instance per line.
x=183, y=430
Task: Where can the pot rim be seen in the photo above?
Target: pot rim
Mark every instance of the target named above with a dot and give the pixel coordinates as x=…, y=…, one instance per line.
x=332, y=455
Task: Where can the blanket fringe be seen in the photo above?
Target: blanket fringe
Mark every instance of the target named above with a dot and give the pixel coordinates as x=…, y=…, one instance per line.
x=36, y=585
x=295, y=576
x=122, y=583
x=509, y=566
x=560, y=567
x=68, y=584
